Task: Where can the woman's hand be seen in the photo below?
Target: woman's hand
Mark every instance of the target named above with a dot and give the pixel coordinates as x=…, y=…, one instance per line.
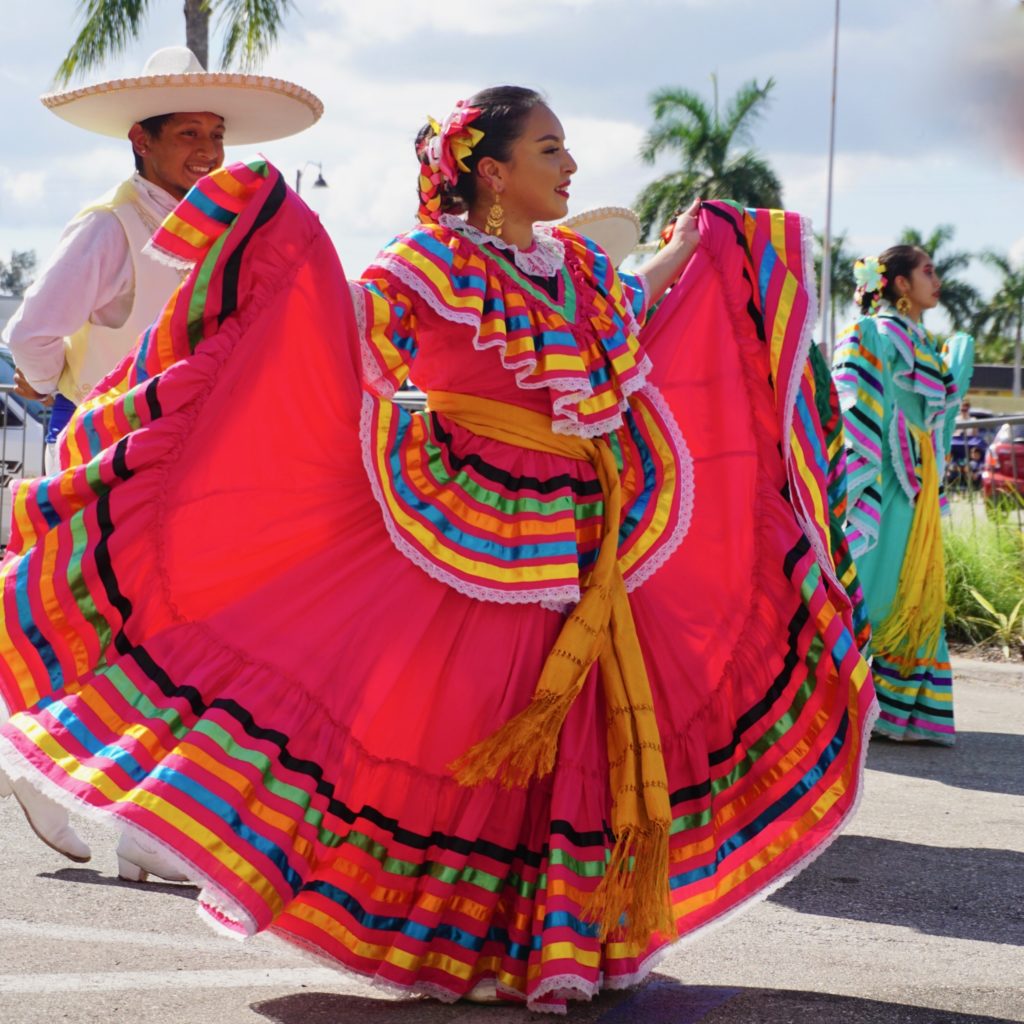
x=25, y=390
x=685, y=233
x=662, y=270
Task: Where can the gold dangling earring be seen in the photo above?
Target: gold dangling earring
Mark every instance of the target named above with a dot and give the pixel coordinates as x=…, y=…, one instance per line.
x=495, y=217
x=903, y=306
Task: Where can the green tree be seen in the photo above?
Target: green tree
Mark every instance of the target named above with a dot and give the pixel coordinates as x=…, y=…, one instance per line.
x=841, y=283
x=713, y=164
x=16, y=276
x=1002, y=317
x=250, y=29
x=960, y=299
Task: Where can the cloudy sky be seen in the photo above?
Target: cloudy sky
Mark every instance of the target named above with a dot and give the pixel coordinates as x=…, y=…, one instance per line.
x=930, y=126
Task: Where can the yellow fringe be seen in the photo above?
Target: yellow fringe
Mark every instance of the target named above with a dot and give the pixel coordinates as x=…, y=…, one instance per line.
x=600, y=628
x=635, y=883
x=524, y=748
x=913, y=626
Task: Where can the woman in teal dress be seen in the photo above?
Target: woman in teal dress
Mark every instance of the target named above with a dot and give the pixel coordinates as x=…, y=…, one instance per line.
x=900, y=388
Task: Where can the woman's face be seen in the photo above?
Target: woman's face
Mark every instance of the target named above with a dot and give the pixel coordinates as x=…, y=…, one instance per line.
x=534, y=181
x=923, y=285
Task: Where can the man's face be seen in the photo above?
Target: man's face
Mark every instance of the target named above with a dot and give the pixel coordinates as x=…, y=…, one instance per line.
x=187, y=147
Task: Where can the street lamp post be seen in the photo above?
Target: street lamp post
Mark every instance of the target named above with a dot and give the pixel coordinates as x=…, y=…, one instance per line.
x=319, y=183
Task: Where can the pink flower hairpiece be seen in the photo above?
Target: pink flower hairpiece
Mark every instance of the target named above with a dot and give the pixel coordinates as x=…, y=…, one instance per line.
x=453, y=141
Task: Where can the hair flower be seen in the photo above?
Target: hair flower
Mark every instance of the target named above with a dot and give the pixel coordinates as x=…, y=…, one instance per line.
x=453, y=141
x=869, y=274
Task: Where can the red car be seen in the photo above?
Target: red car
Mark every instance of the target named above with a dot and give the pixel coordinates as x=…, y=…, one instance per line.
x=1003, y=471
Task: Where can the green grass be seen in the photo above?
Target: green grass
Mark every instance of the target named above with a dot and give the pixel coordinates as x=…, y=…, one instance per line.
x=986, y=557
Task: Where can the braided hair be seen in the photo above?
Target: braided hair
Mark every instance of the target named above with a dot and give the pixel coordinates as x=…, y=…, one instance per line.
x=503, y=111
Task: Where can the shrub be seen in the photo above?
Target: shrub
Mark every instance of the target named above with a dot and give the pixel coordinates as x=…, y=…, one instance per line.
x=984, y=576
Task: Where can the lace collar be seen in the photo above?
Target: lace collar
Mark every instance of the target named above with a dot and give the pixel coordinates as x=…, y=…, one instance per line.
x=544, y=258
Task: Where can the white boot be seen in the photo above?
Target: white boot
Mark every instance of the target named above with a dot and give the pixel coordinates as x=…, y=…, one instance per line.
x=484, y=991
x=137, y=859
x=48, y=820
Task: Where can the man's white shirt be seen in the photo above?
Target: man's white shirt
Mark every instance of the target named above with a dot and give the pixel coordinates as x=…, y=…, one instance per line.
x=89, y=278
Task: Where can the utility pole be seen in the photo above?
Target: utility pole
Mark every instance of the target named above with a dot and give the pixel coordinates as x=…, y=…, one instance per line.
x=826, y=255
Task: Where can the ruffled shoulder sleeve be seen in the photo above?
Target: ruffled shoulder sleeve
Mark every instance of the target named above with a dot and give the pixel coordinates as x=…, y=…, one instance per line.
x=958, y=355
x=627, y=292
x=859, y=372
x=421, y=273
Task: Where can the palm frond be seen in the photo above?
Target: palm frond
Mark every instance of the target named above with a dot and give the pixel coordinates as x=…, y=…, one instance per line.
x=750, y=180
x=745, y=108
x=997, y=261
x=672, y=135
x=672, y=103
x=108, y=28
x=842, y=283
x=659, y=200
x=250, y=28
x=689, y=127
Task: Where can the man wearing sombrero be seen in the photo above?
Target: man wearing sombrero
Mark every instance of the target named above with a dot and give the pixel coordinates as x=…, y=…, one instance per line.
x=99, y=291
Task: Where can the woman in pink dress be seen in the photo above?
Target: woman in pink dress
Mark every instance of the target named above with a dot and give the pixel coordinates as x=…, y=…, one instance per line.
x=500, y=697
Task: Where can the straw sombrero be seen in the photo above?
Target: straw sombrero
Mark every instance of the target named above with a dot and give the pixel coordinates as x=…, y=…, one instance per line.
x=615, y=228
x=255, y=108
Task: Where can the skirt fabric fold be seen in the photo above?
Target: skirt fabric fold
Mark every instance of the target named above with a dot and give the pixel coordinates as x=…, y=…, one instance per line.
x=209, y=636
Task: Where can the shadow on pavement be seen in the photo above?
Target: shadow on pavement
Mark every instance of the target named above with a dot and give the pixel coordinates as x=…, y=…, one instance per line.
x=961, y=893
x=990, y=762
x=332, y=1008
x=661, y=1001
x=89, y=876
x=769, y=1006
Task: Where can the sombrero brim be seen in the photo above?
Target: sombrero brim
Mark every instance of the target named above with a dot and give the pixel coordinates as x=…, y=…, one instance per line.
x=254, y=108
x=615, y=228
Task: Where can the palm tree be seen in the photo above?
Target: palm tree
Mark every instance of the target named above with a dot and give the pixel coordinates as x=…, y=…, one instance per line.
x=711, y=168
x=16, y=275
x=960, y=299
x=1003, y=314
x=841, y=286
x=250, y=29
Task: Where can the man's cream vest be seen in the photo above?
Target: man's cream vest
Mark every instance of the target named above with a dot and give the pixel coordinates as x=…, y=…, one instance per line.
x=93, y=351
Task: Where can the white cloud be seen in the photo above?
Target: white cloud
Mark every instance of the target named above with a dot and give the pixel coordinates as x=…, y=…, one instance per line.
x=912, y=150
x=1017, y=252
x=24, y=187
x=391, y=20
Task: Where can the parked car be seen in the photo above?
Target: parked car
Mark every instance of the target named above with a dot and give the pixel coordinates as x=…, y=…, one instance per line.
x=22, y=440
x=1003, y=472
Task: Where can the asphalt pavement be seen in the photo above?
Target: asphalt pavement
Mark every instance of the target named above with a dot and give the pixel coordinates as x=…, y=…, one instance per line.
x=915, y=915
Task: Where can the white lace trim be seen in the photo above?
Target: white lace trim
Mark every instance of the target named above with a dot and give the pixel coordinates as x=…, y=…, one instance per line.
x=234, y=919
x=804, y=515
x=408, y=276
x=898, y=435
x=181, y=264
x=548, y=596
x=544, y=258
x=667, y=546
x=564, y=415
x=566, y=985
x=645, y=289
x=563, y=411
x=672, y=945
x=372, y=376
x=866, y=526
x=935, y=406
